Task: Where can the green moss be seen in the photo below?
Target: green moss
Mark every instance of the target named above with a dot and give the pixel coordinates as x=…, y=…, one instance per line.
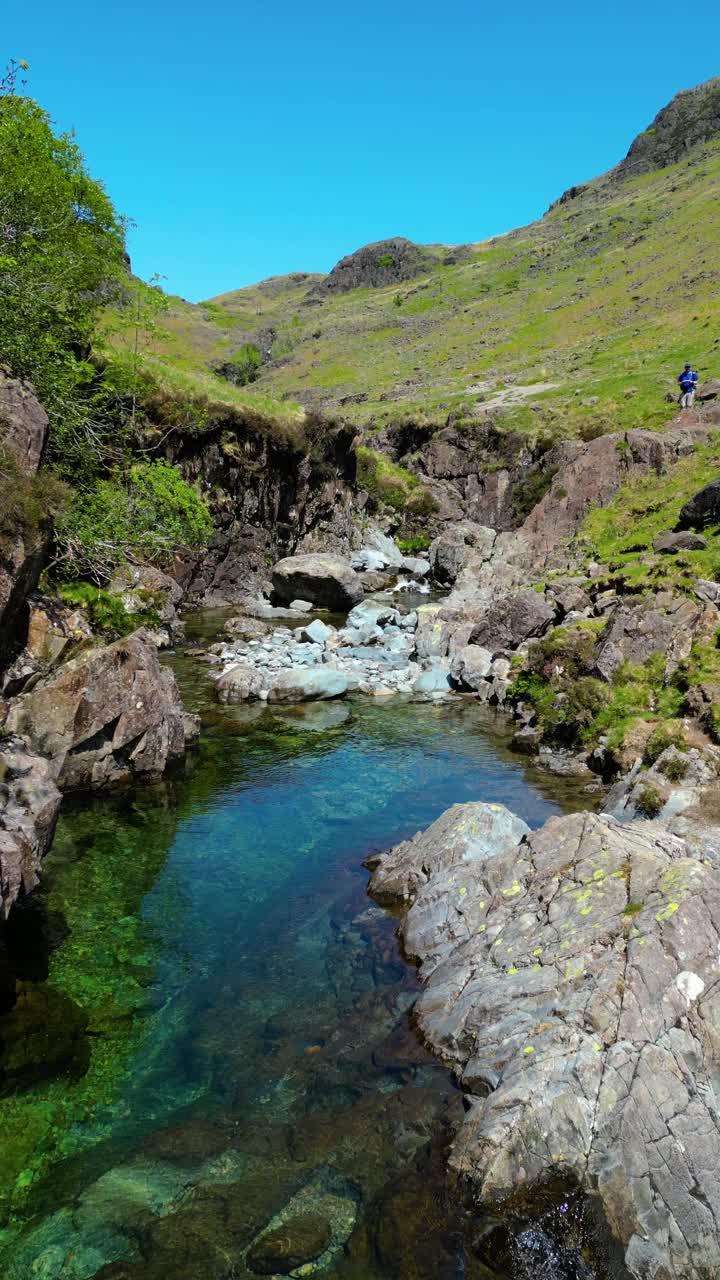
x=384, y=480
x=106, y=612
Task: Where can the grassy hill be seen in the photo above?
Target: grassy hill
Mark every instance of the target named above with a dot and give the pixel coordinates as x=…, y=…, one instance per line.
x=578, y=321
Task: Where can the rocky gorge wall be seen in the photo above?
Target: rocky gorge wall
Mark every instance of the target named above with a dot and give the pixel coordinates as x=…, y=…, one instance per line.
x=270, y=495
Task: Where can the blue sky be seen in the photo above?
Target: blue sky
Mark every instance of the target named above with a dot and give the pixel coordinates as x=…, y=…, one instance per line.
x=254, y=138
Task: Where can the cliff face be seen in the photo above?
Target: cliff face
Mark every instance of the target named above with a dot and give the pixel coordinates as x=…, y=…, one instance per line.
x=270, y=496
x=23, y=544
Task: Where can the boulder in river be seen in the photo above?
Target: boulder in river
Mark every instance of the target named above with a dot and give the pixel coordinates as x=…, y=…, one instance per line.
x=308, y=684
x=105, y=718
x=571, y=982
x=239, y=683
x=325, y=580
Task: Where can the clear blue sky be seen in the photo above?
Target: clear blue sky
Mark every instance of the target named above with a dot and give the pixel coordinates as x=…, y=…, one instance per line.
x=252, y=138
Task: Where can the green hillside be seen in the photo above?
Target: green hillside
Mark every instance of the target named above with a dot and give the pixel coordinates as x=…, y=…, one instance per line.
x=581, y=318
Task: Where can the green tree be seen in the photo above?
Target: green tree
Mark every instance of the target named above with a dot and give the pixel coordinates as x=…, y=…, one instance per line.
x=61, y=259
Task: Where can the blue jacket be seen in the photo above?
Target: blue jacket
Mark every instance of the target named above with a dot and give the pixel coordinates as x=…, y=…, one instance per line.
x=688, y=379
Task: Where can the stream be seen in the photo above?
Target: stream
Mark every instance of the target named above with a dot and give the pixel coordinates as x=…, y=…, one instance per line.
x=210, y=1072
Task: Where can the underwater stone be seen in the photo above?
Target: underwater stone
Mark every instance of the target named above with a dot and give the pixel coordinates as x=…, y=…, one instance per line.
x=295, y=1241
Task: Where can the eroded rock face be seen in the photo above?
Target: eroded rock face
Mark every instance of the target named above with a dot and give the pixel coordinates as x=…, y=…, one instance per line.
x=29, y=805
x=106, y=717
x=327, y=581
x=23, y=430
x=572, y=984
x=457, y=547
x=512, y=620
x=664, y=624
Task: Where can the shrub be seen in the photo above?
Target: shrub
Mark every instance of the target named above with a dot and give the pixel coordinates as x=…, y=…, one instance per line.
x=243, y=367
x=663, y=737
x=146, y=516
x=675, y=768
x=414, y=543
x=532, y=489
x=649, y=802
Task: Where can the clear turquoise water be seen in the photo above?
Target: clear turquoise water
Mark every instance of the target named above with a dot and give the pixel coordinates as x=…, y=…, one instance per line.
x=246, y=1049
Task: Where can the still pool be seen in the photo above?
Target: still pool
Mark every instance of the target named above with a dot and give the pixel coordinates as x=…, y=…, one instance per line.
x=210, y=1072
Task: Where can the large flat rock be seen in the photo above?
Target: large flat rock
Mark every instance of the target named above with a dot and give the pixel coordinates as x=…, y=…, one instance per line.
x=572, y=981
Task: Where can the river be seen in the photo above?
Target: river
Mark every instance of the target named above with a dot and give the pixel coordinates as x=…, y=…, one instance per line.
x=213, y=1028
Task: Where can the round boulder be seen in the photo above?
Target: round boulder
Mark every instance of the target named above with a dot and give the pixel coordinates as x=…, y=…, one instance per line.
x=325, y=580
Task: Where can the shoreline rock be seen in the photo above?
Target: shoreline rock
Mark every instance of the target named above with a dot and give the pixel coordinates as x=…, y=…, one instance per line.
x=571, y=984
x=106, y=718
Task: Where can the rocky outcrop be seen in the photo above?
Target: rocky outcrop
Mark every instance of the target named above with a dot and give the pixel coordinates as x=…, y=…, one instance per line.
x=106, y=718
x=571, y=982
x=692, y=117
x=23, y=544
x=662, y=624
x=29, y=805
x=382, y=263
x=512, y=620
x=272, y=493
x=703, y=508
x=326, y=581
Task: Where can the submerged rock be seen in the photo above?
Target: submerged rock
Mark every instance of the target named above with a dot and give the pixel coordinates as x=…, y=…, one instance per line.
x=107, y=717
x=295, y=1241
x=572, y=984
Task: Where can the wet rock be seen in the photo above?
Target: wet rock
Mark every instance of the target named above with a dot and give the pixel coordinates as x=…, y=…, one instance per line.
x=29, y=806
x=239, y=684
x=416, y=567
x=514, y=619
x=326, y=580
x=571, y=983
x=379, y=541
x=105, y=718
x=433, y=682
x=302, y=685
x=317, y=632
x=670, y=543
x=366, y=560
x=296, y=1241
x=527, y=740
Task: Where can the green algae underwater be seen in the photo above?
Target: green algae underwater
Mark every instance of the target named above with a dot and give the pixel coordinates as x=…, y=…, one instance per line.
x=211, y=1045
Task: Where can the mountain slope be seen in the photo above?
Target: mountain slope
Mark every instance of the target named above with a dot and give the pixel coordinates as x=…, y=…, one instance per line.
x=580, y=319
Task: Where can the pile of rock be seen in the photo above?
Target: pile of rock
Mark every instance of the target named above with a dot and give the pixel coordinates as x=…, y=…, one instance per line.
x=371, y=654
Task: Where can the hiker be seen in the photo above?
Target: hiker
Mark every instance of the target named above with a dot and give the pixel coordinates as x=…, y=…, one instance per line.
x=688, y=382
